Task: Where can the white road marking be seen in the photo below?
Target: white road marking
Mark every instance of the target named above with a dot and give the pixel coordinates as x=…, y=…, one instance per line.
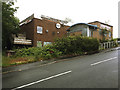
x=103, y=61
x=42, y=80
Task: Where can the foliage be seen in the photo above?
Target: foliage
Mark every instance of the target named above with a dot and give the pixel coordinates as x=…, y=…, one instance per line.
x=103, y=40
x=45, y=52
x=103, y=33
x=8, y=61
x=10, y=24
x=27, y=52
x=115, y=39
x=76, y=44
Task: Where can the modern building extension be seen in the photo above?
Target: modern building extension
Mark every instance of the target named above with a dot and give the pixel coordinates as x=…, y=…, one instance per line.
x=95, y=29
x=43, y=31
x=82, y=29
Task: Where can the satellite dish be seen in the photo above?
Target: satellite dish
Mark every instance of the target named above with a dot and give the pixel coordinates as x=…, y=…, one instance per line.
x=58, y=25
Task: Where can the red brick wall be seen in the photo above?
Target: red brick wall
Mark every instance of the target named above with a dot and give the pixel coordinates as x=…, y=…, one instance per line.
x=31, y=31
x=99, y=36
x=51, y=27
x=28, y=29
x=75, y=33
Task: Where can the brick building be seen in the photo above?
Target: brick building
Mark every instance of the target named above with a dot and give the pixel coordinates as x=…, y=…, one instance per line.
x=92, y=29
x=42, y=31
x=102, y=26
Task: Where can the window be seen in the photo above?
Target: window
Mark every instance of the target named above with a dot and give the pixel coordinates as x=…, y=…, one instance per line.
x=90, y=33
x=39, y=29
x=46, y=43
x=84, y=32
x=105, y=35
x=109, y=34
x=100, y=31
x=39, y=43
x=105, y=27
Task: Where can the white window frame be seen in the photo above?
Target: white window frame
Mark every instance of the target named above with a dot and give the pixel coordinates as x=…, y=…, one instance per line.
x=39, y=29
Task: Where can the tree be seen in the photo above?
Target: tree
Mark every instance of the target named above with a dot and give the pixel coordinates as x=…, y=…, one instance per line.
x=10, y=24
x=0, y=26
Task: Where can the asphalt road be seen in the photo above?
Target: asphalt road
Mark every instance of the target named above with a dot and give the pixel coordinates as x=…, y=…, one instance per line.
x=91, y=71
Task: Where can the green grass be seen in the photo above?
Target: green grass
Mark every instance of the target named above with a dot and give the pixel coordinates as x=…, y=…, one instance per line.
x=10, y=61
x=5, y=61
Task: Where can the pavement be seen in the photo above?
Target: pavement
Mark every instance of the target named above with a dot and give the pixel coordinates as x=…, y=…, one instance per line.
x=98, y=70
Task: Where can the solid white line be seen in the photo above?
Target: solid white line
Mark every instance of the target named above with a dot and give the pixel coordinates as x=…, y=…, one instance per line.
x=42, y=80
x=103, y=61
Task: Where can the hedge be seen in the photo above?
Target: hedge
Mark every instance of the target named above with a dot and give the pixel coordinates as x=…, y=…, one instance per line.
x=76, y=44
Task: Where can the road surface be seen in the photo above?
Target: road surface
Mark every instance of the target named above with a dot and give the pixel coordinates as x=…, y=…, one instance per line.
x=91, y=71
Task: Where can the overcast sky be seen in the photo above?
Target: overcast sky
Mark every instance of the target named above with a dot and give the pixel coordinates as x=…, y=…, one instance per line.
x=80, y=11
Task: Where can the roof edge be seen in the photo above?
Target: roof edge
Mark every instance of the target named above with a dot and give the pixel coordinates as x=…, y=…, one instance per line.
x=101, y=23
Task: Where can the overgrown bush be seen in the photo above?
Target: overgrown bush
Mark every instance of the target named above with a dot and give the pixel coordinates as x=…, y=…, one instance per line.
x=89, y=44
x=76, y=44
x=50, y=51
x=27, y=52
x=61, y=46
x=45, y=52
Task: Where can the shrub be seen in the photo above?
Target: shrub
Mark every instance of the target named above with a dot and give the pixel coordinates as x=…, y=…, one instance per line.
x=76, y=44
x=89, y=44
x=50, y=51
x=61, y=46
x=45, y=52
x=27, y=52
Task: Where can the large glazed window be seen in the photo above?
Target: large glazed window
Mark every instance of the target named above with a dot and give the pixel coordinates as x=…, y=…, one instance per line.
x=39, y=29
x=84, y=32
x=79, y=28
x=90, y=33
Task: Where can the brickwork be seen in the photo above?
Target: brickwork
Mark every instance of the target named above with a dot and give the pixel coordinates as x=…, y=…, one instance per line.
x=31, y=31
x=97, y=34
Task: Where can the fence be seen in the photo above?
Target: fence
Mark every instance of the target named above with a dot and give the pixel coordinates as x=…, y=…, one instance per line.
x=106, y=45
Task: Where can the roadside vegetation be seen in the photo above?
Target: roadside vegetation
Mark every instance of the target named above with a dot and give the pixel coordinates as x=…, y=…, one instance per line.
x=66, y=46
x=62, y=47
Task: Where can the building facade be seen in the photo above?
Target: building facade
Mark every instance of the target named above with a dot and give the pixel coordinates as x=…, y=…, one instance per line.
x=42, y=31
x=103, y=28
x=82, y=29
x=95, y=29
